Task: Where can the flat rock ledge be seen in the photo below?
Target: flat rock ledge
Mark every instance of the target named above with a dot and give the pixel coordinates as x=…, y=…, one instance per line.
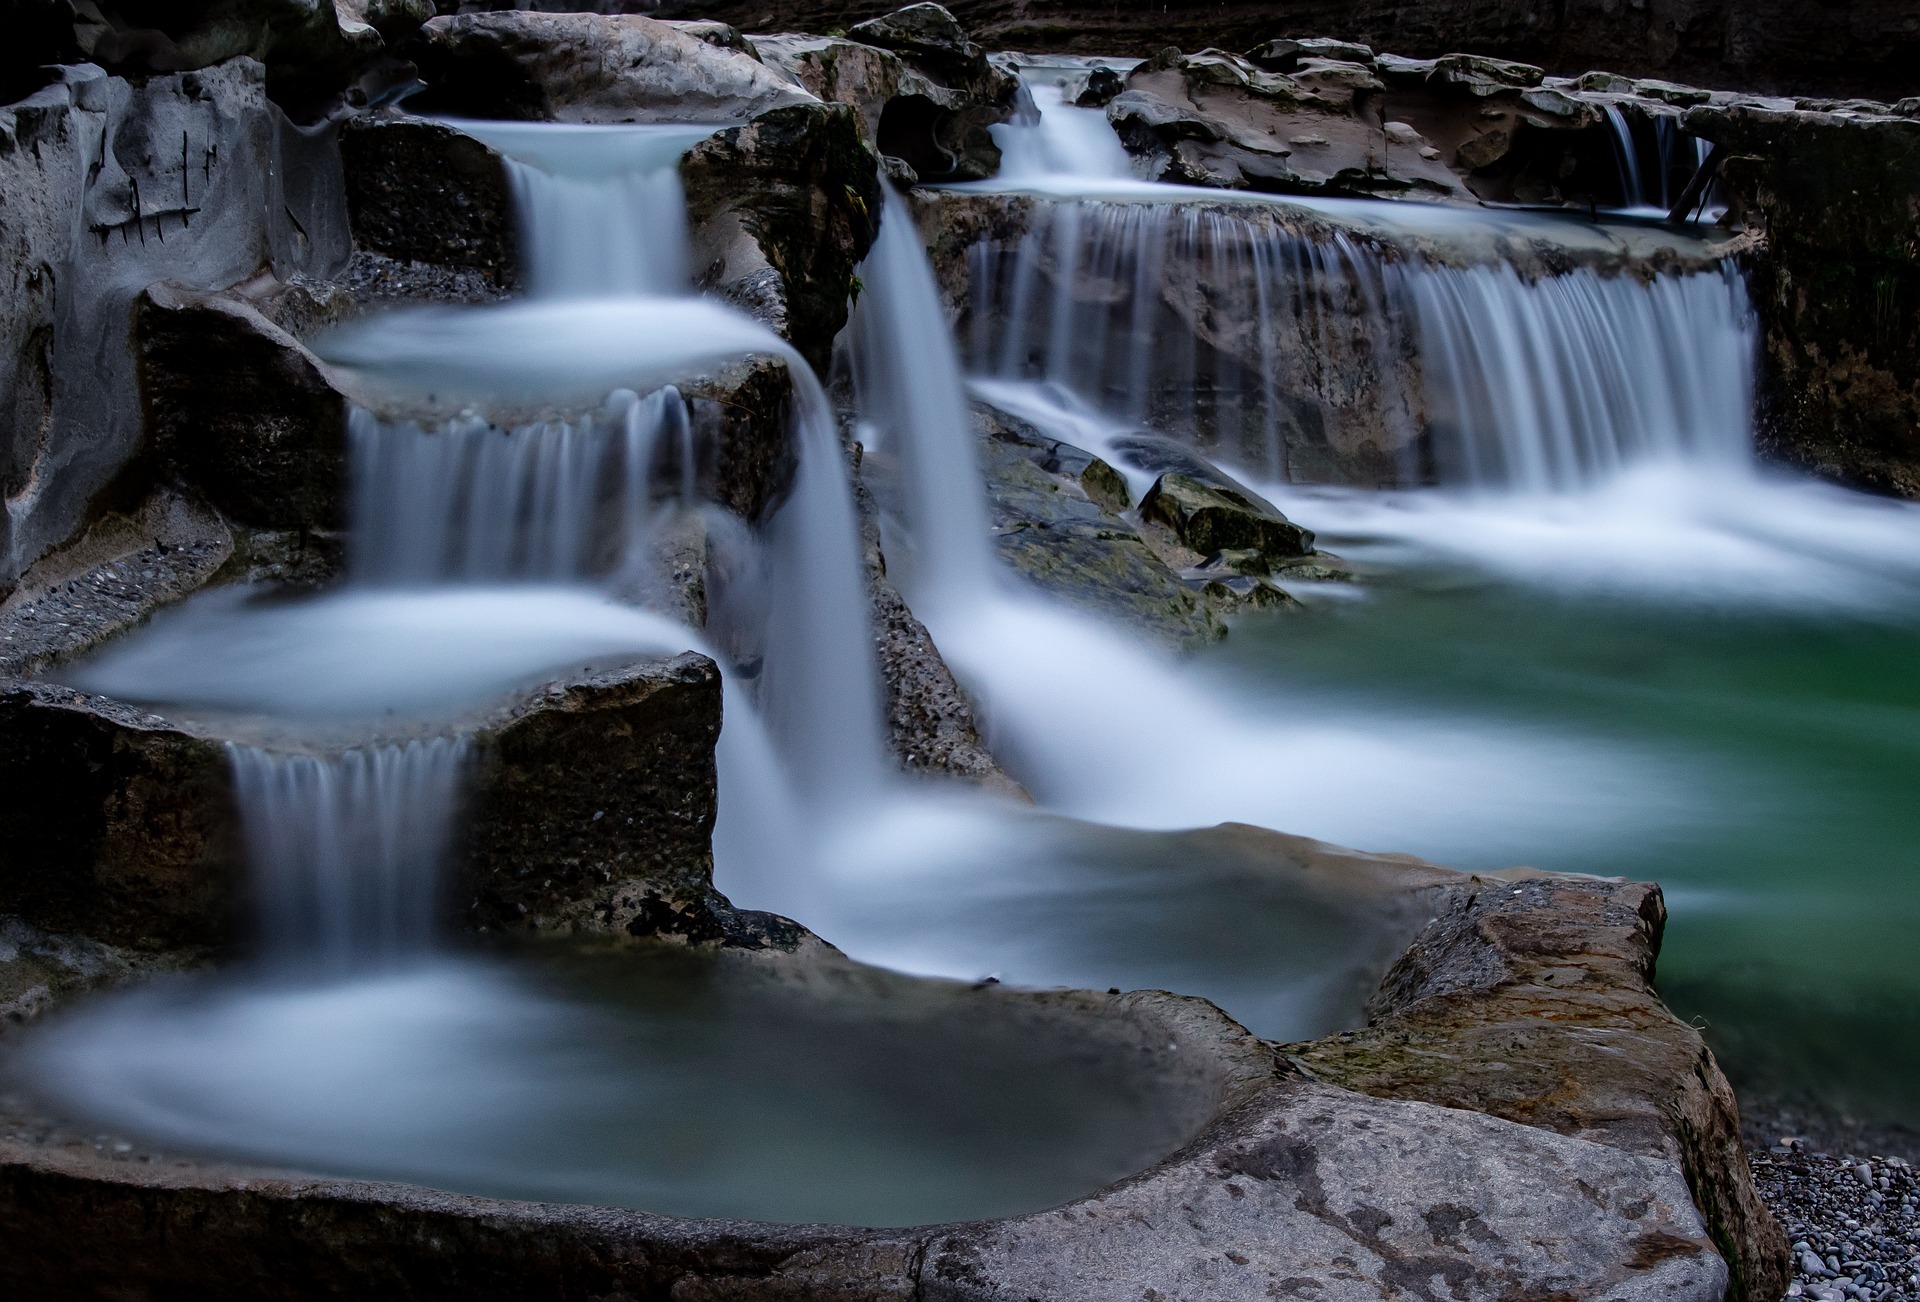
x=1378, y=1163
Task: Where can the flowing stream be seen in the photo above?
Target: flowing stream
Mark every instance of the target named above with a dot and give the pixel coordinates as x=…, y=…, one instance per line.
x=1595, y=636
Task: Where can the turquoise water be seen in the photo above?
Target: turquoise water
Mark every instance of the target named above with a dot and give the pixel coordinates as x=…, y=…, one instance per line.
x=1781, y=743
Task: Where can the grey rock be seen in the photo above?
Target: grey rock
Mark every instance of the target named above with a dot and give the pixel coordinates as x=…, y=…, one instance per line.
x=1480, y=76
x=1213, y=518
x=107, y=186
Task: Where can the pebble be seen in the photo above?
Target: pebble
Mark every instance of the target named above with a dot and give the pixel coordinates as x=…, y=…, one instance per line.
x=1854, y=1223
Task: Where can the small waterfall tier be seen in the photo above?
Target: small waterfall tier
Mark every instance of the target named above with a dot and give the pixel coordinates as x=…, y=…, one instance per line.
x=1308, y=350
x=552, y=500
x=346, y=850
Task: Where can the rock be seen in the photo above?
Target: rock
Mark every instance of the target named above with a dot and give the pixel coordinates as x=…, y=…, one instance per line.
x=1285, y=55
x=240, y=410
x=114, y=824
x=312, y=51
x=935, y=125
x=1102, y=85
x=1052, y=532
x=1480, y=76
x=1571, y=960
x=1667, y=92
x=930, y=36
x=1213, y=119
x=419, y=191
x=1773, y=46
x=106, y=186
x=588, y=68
x=1835, y=282
x=119, y=825
x=1212, y=519
x=595, y=793
x=932, y=726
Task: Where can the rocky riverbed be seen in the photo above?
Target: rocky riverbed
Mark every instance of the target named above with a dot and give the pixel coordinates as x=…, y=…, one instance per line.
x=1854, y=1221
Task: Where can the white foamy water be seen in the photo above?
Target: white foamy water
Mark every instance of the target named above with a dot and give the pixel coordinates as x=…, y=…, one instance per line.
x=362, y=652
x=1054, y=138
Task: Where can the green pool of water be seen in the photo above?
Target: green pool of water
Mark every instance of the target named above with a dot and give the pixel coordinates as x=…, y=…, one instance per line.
x=1788, y=833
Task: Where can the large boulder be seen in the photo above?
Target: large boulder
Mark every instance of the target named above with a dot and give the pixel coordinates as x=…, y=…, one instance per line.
x=1213, y=518
x=1532, y=999
x=1834, y=198
x=925, y=104
x=568, y=67
x=240, y=410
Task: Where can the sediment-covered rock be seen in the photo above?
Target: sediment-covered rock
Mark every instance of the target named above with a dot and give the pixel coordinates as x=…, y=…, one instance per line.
x=1215, y=518
x=1532, y=999
x=1835, y=194
x=419, y=191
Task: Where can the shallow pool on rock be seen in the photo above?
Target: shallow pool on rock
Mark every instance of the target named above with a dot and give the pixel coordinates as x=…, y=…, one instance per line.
x=647, y=1079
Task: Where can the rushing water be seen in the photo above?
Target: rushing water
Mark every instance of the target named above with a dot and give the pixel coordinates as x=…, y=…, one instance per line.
x=1605, y=642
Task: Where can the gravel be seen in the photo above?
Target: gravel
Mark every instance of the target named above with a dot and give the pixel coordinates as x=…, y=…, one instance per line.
x=1854, y=1221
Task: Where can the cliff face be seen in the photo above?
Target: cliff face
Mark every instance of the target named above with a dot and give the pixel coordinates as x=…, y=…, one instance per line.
x=1845, y=47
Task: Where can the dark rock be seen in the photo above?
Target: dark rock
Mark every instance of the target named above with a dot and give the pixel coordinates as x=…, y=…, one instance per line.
x=931, y=117
x=418, y=191
x=1836, y=283
x=1284, y=55
x=1532, y=999
x=595, y=795
x=1102, y=85
x=313, y=52
x=1053, y=533
x=931, y=37
x=240, y=411
x=1211, y=519
x=1480, y=76
x=114, y=824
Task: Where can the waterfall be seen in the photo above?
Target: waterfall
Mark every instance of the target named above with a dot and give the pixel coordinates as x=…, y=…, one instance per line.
x=913, y=399
x=1210, y=324
x=1557, y=384
x=554, y=500
x=1052, y=138
x=346, y=850
x=1651, y=178
x=600, y=209
x=1254, y=337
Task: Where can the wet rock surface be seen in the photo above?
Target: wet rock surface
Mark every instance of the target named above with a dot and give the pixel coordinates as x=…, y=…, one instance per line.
x=1833, y=194
x=1532, y=999
x=1055, y=534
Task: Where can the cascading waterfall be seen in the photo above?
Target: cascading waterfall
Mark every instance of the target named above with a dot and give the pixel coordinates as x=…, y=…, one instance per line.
x=1053, y=139
x=1654, y=166
x=346, y=849
x=1250, y=336
x=553, y=500
x=1560, y=383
